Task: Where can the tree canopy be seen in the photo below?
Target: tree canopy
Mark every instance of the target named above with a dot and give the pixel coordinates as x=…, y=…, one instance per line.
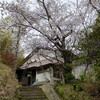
x=55, y=25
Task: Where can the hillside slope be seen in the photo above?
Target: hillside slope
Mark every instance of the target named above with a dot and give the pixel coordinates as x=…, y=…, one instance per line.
x=8, y=83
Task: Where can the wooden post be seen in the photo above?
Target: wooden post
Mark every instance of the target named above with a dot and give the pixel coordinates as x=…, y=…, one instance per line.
x=51, y=74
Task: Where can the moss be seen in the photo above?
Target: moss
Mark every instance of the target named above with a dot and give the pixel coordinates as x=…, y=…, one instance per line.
x=8, y=83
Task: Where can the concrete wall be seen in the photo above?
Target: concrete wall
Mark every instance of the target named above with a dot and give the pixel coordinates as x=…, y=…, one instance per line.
x=44, y=76
x=77, y=71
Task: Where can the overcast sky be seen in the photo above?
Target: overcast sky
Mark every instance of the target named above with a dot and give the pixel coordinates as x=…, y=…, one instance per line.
x=7, y=0
x=32, y=0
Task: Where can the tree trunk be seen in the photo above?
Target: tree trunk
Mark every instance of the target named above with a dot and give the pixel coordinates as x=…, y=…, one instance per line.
x=87, y=65
x=62, y=75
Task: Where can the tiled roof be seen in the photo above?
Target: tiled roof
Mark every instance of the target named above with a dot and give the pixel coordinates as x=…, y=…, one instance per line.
x=42, y=63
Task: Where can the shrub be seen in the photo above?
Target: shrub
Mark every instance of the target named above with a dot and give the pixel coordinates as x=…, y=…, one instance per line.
x=79, y=87
x=88, y=77
x=69, y=77
x=92, y=88
x=8, y=83
x=96, y=68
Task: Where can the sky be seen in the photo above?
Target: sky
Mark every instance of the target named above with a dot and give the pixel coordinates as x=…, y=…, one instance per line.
x=32, y=0
x=7, y=0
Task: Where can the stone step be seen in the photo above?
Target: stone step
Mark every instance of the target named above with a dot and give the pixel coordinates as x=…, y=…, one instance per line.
x=32, y=93
x=30, y=88
x=34, y=98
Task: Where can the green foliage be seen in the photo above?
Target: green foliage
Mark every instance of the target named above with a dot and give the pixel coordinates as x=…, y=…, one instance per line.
x=5, y=21
x=69, y=78
x=79, y=87
x=19, y=58
x=89, y=43
x=7, y=55
x=84, y=91
x=68, y=56
x=96, y=68
x=88, y=77
x=8, y=47
x=82, y=77
x=93, y=75
x=5, y=40
x=89, y=50
x=68, y=68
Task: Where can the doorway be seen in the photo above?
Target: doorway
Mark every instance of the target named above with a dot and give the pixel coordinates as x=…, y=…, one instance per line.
x=31, y=76
x=29, y=80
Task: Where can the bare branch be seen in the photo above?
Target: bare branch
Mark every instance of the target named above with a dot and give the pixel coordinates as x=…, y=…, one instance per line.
x=94, y=6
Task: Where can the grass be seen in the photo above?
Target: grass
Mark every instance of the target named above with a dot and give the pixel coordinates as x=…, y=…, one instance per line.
x=66, y=92
x=8, y=83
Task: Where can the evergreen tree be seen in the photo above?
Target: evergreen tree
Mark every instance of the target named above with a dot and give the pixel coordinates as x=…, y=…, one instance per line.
x=89, y=44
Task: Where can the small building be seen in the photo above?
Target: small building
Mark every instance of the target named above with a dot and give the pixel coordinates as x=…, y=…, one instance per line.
x=39, y=67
